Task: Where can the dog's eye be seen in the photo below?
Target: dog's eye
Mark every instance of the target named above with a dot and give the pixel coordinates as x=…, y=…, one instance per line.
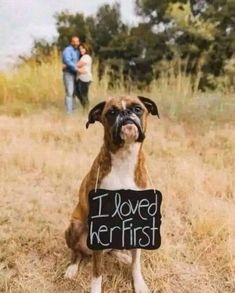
x=138, y=109
x=112, y=112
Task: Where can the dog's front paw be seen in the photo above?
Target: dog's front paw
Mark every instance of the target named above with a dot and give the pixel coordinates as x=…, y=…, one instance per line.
x=71, y=271
x=140, y=286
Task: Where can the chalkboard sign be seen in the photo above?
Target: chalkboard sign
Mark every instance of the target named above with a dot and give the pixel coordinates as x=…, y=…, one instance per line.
x=124, y=219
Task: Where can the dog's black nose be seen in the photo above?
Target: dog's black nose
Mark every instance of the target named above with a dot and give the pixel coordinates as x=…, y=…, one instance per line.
x=126, y=112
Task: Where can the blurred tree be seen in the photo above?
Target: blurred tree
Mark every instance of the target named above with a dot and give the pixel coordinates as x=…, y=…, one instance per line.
x=199, y=32
x=105, y=25
x=42, y=52
x=222, y=13
x=105, y=29
x=196, y=29
x=68, y=25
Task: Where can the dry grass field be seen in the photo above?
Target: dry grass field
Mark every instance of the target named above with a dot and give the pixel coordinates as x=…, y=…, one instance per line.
x=44, y=154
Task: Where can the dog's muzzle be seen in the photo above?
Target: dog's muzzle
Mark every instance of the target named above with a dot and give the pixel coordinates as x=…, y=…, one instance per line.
x=127, y=128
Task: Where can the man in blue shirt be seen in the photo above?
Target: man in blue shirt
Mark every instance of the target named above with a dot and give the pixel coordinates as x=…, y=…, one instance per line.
x=70, y=58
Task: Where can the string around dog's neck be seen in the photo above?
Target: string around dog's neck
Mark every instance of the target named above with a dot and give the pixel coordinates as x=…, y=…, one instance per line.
x=97, y=178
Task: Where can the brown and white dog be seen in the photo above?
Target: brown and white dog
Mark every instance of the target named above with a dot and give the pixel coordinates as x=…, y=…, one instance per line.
x=121, y=165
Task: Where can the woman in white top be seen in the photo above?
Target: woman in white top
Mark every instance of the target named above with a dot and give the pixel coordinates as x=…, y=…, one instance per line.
x=84, y=77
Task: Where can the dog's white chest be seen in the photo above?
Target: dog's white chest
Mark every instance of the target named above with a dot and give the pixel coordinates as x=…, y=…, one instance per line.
x=122, y=174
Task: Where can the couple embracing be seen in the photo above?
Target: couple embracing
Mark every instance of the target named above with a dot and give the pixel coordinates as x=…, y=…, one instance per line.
x=77, y=74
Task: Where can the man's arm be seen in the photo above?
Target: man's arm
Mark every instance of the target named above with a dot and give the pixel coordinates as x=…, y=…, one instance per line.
x=67, y=60
x=81, y=63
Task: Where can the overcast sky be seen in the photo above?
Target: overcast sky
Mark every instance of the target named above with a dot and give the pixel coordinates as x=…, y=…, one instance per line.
x=23, y=20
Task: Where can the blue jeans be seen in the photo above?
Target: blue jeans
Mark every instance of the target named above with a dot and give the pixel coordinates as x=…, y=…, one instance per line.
x=70, y=87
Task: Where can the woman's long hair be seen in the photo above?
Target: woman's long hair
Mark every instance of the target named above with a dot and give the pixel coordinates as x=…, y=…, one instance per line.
x=86, y=47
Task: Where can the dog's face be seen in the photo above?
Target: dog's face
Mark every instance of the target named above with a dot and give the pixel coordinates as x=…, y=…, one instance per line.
x=124, y=118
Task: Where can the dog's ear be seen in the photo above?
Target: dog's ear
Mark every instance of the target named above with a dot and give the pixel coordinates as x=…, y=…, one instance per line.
x=95, y=114
x=150, y=105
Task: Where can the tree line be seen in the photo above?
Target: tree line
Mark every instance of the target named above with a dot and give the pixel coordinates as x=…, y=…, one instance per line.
x=200, y=33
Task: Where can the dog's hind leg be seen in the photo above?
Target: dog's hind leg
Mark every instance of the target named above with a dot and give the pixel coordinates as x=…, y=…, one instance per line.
x=96, y=283
x=72, y=269
x=73, y=235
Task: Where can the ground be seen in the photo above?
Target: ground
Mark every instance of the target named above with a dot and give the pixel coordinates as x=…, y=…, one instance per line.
x=44, y=156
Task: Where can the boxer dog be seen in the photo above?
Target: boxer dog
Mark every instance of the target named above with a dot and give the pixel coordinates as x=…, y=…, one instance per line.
x=120, y=164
